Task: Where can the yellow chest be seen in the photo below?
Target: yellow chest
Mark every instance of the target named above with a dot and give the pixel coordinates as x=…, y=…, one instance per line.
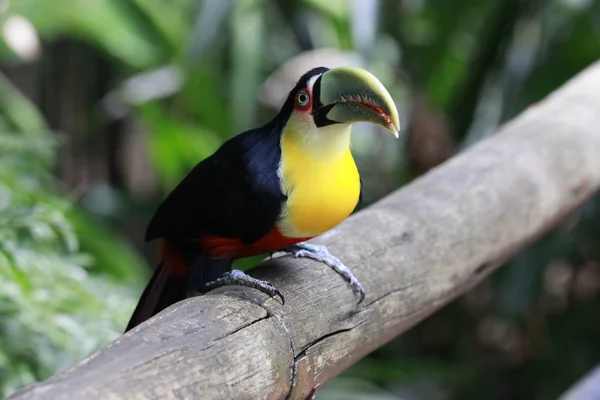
x=323, y=187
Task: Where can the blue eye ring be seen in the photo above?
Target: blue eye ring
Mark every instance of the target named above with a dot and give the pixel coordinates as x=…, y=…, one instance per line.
x=303, y=98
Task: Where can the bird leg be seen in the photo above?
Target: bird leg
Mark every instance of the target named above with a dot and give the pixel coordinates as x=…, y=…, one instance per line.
x=237, y=277
x=320, y=253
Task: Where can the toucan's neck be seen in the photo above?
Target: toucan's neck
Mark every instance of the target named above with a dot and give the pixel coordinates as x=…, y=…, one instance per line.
x=327, y=143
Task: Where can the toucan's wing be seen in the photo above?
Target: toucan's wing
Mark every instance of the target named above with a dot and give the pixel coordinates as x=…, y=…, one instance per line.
x=234, y=193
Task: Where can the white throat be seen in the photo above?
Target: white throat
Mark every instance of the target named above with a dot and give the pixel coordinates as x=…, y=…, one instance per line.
x=331, y=141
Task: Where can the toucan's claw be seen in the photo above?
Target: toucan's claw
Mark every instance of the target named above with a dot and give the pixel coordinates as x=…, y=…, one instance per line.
x=320, y=253
x=237, y=277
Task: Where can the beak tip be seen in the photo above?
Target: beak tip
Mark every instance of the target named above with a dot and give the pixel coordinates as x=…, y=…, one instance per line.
x=394, y=127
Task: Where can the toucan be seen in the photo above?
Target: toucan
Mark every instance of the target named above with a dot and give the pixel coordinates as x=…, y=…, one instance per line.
x=268, y=190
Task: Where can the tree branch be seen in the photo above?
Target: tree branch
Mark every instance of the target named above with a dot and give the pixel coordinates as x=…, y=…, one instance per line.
x=588, y=388
x=414, y=251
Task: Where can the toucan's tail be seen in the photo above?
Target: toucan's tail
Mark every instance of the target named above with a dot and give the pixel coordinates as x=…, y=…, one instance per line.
x=163, y=290
x=183, y=267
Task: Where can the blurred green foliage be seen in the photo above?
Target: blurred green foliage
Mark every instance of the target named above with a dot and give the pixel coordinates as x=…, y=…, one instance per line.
x=186, y=74
x=54, y=309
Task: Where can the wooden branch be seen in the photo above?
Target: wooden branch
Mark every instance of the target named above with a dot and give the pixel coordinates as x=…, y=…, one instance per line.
x=414, y=251
x=588, y=388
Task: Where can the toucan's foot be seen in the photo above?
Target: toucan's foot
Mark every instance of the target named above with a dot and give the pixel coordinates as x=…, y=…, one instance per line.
x=237, y=277
x=320, y=253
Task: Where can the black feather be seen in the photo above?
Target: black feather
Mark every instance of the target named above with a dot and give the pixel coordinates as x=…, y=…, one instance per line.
x=236, y=192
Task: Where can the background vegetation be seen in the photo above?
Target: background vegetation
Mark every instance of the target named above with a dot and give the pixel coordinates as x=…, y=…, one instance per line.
x=106, y=104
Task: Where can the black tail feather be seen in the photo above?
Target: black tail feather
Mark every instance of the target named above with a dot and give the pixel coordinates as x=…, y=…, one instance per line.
x=163, y=290
x=166, y=288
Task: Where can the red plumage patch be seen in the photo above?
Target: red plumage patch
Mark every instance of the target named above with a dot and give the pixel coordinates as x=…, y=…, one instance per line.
x=220, y=247
x=172, y=259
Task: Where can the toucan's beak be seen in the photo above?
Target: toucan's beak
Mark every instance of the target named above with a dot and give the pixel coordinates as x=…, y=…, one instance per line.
x=350, y=94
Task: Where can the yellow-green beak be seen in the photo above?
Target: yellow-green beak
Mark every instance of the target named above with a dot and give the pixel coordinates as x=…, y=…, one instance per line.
x=350, y=94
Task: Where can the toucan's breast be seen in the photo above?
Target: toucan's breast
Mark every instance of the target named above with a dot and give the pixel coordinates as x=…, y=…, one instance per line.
x=321, y=181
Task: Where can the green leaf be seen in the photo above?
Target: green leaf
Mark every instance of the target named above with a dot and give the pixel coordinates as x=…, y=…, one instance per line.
x=112, y=255
x=18, y=112
x=338, y=9
x=110, y=24
x=247, y=26
x=176, y=146
x=169, y=19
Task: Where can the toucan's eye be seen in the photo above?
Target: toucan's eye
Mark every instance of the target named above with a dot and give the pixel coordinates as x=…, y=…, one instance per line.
x=303, y=98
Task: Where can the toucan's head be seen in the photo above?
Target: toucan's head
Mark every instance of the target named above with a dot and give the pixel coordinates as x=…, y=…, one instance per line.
x=324, y=97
